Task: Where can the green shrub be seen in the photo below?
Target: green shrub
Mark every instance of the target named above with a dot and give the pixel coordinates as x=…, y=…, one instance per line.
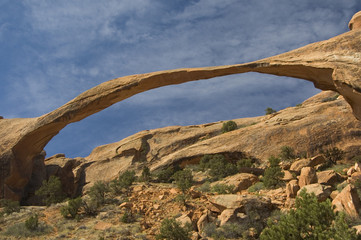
x=229, y=126
x=182, y=199
x=256, y=187
x=334, y=154
x=170, y=229
x=330, y=99
x=310, y=219
x=218, y=166
x=97, y=193
x=124, y=181
x=205, y=187
x=183, y=179
x=71, y=210
x=270, y=111
x=127, y=217
x=146, y=175
x=246, y=162
x=9, y=206
x=165, y=175
x=221, y=188
x=51, y=191
x=90, y=207
x=273, y=174
x=32, y=223
x=226, y=231
x=287, y=153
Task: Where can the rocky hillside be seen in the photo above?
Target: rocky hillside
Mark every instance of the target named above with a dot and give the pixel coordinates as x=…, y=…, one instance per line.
x=318, y=124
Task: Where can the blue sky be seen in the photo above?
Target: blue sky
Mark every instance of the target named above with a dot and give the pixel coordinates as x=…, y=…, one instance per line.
x=51, y=51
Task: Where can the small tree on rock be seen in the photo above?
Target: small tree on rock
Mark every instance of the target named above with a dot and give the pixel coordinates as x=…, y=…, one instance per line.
x=273, y=174
x=51, y=191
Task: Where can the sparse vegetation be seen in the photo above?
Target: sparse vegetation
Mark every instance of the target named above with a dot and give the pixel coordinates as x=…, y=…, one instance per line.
x=183, y=179
x=229, y=126
x=270, y=111
x=222, y=188
x=32, y=223
x=9, y=206
x=165, y=175
x=310, y=219
x=146, y=175
x=205, y=187
x=227, y=231
x=97, y=193
x=51, y=191
x=256, y=187
x=124, y=181
x=273, y=174
x=218, y=166
x=71, y=210
x=246, y=162
x=127, y=217
x=287, y=153
x=170, y=229
x=330, y=99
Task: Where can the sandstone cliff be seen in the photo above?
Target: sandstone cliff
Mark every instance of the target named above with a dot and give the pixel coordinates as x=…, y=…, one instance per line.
x=320, y=123
x=331, y=65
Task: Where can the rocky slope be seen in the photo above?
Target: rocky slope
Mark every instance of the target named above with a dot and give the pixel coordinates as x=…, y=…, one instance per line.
x=331, y=65
x=318, y=124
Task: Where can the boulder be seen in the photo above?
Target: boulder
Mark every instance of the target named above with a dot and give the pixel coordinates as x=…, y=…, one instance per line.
x=184, y=220
x=307, y=176
x=355, y=177
x=292, y=189
x=322, y=192
x=233, y=201
x=329, y=177
x=348, y=201
x=227, y=216
x=299, y=164
x=240, y=181
x=317, y=160
x=288, y=176
x=203, y=220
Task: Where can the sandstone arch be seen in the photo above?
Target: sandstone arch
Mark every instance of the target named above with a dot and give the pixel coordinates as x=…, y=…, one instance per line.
x=332, y=64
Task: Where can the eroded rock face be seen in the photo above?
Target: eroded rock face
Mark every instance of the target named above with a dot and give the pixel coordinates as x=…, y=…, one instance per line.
x=332, y=64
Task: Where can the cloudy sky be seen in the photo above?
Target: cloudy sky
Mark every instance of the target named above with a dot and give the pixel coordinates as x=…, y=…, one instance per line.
x=51, y=51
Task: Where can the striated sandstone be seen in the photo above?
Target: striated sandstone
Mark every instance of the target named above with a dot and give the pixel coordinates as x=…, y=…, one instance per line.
x=332, y=64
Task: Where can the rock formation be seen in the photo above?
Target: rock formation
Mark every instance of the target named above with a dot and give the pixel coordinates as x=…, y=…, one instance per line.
x=331, y=65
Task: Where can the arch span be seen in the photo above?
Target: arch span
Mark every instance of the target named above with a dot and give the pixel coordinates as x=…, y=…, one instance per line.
x=333, y=64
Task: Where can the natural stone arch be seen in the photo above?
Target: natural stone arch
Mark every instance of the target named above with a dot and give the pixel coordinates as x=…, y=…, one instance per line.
x=332, y=64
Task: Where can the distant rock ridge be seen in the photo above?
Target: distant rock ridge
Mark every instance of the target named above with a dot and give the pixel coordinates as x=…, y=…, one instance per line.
x=332, y=64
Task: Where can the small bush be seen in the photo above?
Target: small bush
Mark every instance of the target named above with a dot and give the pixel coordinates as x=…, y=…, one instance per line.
x=97, y=193
x=330, y=99
x=51, y=191
x=218, y=166
x=222, y=188
x=273, y=174
x=31, y=228
x=205, y=187
x=170, y=229
x=256, y=187
x=9, y=206
x=32, y=223
x=287, y=153
x=146, y=175
x=182, y=199
x=334, y=154
x=90, y=207
x=124, y=181
x=229, y=126
x=270, y=111
x=71, y=210
x=184, y=180
x=127, y=217
x=165, y=175
x=310, y=219
x=246, y=162
x=227, y=231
